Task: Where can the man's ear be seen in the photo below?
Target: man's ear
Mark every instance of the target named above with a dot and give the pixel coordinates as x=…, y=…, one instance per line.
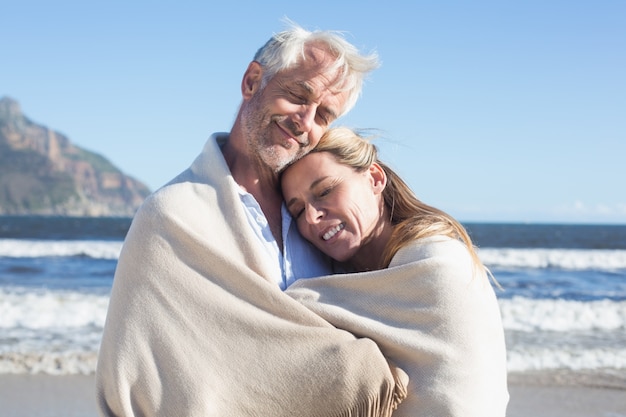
x=379, y=178
x=251, y=80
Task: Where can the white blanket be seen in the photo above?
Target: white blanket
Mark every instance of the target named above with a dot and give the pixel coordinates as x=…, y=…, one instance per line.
x=196, y=325
x=433, y=317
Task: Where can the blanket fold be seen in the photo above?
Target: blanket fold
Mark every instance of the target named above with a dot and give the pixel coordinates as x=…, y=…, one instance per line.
x=431, y=314
x=196, y=327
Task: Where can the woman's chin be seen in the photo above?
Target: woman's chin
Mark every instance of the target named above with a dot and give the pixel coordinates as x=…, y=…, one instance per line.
x=337, y=256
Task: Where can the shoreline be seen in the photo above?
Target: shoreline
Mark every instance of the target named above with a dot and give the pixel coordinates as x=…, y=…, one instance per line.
x=534, y=394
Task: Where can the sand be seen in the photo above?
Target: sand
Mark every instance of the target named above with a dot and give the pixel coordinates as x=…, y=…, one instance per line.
x=47, y=396
x=541, y=395
x=554, y=394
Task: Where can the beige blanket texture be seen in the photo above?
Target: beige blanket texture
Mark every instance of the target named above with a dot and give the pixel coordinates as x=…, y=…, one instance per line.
x=196, y=325
x=431, y=316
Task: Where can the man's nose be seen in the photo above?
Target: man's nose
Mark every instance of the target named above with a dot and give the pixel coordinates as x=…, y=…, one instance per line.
x=305, y=118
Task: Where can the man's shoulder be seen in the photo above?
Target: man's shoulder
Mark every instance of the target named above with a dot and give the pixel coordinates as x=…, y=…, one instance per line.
x=198, y=179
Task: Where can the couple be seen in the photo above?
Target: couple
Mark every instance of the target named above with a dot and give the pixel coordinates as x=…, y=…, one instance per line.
x=220, y=307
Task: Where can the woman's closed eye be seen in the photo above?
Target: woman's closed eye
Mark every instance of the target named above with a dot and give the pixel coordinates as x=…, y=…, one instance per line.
x=296, y=211
x=325, y=192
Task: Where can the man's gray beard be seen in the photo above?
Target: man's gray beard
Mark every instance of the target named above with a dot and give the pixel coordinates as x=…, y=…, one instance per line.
x=270, y=158
x=261, y=142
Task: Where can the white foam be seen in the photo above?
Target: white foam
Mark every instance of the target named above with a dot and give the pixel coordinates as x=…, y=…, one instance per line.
x=55, y=332
x=572, y=259
x=25, y=248
x=65, y=363
x=560, y=334
x=51, y=309
x=59, y=332
x=530, y=315
x=573, y=359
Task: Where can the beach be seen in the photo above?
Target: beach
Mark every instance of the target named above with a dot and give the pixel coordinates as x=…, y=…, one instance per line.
x=543, y=394
x=563, y=304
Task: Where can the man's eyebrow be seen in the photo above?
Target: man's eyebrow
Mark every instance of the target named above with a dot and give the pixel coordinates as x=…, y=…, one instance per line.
x=305, y=85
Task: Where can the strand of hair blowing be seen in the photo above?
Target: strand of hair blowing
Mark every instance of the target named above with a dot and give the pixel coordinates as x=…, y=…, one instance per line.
x=287, y=48
x=412, y=219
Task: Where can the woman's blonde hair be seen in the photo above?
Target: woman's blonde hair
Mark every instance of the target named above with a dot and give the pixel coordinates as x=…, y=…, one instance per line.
x=411, y=219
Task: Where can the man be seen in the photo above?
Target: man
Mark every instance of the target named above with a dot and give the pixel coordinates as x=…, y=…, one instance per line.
x=197, y=324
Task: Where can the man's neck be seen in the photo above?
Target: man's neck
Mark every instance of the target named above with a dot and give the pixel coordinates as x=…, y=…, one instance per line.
x=259, y=181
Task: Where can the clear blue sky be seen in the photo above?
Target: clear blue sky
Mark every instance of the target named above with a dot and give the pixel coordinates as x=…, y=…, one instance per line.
x=492, y=111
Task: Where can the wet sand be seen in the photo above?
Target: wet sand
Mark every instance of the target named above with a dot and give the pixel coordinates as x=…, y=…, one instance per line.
x=538, y=395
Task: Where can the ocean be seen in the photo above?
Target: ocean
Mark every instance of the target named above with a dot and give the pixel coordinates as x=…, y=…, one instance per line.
x=563, y=296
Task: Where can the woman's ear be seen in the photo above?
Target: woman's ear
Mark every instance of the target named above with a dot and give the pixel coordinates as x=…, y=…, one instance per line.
x=379, y=178
x=251, y=80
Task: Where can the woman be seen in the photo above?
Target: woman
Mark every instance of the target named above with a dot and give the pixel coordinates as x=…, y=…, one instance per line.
x=421, y=292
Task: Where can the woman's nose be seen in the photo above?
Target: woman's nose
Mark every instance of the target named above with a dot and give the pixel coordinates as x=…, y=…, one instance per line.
x=313, y=214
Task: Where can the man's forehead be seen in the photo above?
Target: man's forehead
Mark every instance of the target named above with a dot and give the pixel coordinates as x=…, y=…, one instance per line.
x=316, y=87
x=319, y=53
x=320, y=63
x=315, y=80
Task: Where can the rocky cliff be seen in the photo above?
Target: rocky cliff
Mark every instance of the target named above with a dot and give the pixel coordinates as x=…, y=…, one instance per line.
x=43, y=173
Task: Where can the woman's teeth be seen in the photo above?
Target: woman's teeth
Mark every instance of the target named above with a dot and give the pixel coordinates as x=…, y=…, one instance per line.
x=332, y=232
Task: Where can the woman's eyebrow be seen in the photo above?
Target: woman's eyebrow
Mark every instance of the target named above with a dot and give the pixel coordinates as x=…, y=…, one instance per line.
x=293, y=200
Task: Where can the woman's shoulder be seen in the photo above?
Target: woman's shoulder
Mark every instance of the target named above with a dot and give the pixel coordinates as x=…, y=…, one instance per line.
x=447, y=266
x=432, y=247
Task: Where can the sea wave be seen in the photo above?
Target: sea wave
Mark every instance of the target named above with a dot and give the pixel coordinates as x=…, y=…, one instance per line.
x=570, y=259
x=519, y=359
x=59, y=332
x=52, y=363
x=32, y=248
x=39, y=309
x=575, y=359
x=558, y=315
x=53, y=332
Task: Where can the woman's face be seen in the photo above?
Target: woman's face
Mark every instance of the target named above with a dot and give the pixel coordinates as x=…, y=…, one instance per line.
x=335, y=207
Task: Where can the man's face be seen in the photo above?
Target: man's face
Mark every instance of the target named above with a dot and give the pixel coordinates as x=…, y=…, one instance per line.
x=286, y=119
